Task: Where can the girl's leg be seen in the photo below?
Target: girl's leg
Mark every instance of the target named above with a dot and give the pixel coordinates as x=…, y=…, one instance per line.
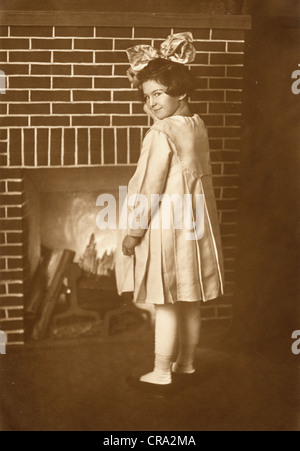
x=189, y=322
x=165, y=345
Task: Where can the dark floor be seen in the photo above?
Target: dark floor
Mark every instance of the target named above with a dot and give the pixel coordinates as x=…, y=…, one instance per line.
x=80, y=385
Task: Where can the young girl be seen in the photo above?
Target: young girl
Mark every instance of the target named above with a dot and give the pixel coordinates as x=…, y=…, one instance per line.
x=166, y=266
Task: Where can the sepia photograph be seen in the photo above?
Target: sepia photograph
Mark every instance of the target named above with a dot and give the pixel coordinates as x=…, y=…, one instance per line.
x=149, y=218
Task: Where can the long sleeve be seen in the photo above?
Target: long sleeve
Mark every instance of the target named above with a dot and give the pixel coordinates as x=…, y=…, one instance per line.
x=149, y=178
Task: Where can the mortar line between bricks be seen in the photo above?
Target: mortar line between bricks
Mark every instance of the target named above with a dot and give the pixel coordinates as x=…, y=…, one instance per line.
x=18, y=318
x=120, y=165
x=198, y=52
x=41, y=63
x=108, y=77
x=15, y=343
x=14, y=206
x=15, y=282
x=10, y=295
x=10, y=180
x=110, y=38
x=13, y=127
x=10, y=320
x=88, y=115
x=56, y=76
x=120, y=90
x=17, y=331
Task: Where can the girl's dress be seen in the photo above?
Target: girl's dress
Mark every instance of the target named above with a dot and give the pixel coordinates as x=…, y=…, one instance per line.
x=167, y=267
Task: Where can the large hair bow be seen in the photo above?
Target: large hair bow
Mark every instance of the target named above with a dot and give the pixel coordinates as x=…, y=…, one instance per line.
x=177, y=48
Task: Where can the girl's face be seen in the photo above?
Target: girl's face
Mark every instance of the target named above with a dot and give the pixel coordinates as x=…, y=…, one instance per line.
x=159, y=102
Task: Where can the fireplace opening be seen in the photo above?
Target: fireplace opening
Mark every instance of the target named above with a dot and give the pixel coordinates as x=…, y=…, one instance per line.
x=70, y=280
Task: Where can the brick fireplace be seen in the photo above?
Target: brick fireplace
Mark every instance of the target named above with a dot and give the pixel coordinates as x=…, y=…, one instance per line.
x=69, y=106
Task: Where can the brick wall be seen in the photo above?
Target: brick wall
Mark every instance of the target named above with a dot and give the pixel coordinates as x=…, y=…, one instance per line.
x=12, y=255
x=69, y=104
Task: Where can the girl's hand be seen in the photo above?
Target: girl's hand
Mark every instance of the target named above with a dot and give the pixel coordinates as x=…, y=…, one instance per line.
x=129, y=244
x=149, y=112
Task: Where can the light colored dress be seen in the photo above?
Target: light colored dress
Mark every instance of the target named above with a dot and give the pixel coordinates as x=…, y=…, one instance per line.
x=167, y=267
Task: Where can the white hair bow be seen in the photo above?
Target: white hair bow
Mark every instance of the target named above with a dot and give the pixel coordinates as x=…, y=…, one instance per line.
x=177, y=48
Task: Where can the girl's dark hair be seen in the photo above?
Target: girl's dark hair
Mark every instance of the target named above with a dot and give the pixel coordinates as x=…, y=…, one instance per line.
x=175, y=76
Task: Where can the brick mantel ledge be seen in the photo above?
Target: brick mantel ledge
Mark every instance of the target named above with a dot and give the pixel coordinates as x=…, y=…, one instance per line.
x=113, y=19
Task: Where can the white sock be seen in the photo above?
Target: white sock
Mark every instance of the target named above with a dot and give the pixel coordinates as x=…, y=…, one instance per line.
x=189, y=333
x=165, y=344
x=185, y=360
x=162, y=373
